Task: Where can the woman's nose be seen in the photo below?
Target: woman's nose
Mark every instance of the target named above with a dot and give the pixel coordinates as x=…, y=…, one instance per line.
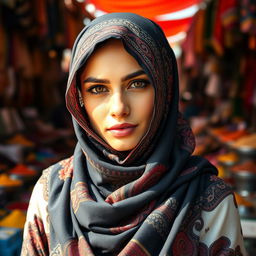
x=119, y=106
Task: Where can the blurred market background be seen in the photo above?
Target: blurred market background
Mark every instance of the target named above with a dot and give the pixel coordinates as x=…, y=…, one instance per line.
x=215, y=45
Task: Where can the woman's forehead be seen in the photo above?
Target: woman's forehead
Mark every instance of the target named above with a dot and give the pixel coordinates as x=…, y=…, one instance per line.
x=110, y=60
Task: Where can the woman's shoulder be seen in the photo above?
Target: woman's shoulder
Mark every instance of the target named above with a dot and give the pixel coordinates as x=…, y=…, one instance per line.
x=61, y=169
x=215, y=192
x=213, y=189
x=221, y=229
x=58, y=168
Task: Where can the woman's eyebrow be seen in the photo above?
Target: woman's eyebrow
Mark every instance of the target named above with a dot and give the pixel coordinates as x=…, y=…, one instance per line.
x=132, y=75
x=91, y=79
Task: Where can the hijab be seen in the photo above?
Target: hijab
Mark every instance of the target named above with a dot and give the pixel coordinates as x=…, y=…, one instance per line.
x=104, y=202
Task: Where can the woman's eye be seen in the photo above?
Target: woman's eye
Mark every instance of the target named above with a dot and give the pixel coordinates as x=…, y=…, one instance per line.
x=97, y=89
x=139, y=84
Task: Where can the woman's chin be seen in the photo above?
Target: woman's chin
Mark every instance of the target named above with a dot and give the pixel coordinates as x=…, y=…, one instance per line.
x=123, y=146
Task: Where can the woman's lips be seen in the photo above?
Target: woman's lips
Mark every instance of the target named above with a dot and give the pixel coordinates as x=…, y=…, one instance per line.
x=122, y=130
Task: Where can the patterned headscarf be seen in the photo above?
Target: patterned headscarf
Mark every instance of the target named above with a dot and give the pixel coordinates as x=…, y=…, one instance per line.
x=104, y=202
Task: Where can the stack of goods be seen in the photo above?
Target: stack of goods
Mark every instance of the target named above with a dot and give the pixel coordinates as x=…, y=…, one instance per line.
x=24, y=153
x=34, y=124
x=246, y=144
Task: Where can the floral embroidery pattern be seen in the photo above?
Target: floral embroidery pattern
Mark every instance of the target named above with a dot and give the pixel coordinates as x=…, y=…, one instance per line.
x=187, y=240
x=215, y=193
x=67, y=168
x=183, y=245
x=220, y=247
x=80, y=194
x=44, y=180
x=161, y=219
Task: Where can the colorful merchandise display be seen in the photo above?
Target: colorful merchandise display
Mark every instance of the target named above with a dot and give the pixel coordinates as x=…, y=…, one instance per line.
x=34, y=127
x=218, y=68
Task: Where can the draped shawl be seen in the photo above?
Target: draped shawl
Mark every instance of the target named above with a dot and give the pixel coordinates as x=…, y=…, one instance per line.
x=104, y=202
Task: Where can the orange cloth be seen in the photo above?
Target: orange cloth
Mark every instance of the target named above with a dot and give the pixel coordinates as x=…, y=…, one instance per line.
x=6, y=181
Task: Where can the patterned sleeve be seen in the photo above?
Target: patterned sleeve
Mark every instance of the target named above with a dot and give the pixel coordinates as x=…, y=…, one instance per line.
x=222, y=233
x=36, y=229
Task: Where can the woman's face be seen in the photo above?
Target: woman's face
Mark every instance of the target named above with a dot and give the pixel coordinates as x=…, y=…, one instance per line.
x=118, y=96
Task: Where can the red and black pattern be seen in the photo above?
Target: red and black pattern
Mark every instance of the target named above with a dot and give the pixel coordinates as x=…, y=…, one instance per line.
x=184, y=246
x=135, y=220
x=220, y=247
x=186, y=241
x=147, y=180
x=143, y=183
x=36, y=242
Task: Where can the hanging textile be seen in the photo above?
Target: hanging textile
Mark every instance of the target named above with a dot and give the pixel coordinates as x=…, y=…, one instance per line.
x=148, y=8
x=152, y=9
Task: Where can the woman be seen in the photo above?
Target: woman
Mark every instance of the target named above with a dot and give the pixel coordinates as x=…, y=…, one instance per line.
x=132, y=186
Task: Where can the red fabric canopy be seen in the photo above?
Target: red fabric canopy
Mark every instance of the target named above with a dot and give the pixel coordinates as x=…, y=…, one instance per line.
x=147, y=8
x=173, y=27
x=150, y=9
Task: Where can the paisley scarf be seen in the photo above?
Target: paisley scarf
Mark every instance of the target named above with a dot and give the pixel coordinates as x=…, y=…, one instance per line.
x=103, y=202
